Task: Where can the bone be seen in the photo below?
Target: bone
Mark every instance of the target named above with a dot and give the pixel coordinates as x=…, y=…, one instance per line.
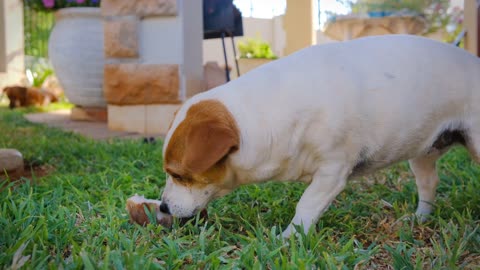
x=136, y=210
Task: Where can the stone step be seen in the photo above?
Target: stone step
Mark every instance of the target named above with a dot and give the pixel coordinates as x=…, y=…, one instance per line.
x=11, y=160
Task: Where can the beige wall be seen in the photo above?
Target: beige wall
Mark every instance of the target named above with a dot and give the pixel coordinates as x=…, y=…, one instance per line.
x=299, y=25
x=322, y=38
x=269, y=30
x=12, y=69
x=470, y=22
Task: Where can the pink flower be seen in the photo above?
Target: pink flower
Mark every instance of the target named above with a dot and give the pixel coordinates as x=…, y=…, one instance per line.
x=80, y=1
x=48, y=3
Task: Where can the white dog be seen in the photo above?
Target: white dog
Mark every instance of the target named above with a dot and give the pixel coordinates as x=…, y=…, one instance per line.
x=322, y=116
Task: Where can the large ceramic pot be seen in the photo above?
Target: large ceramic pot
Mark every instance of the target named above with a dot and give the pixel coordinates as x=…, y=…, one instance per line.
x=75, y=49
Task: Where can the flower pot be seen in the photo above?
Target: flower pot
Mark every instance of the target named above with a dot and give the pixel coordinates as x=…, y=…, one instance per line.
x=75, y=49
x=247, y=64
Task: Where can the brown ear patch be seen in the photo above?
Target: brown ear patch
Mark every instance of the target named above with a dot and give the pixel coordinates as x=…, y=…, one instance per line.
x=202, y=140
x=208, y=141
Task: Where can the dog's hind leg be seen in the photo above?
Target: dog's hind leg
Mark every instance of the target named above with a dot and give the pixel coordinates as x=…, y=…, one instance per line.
x=426, y=177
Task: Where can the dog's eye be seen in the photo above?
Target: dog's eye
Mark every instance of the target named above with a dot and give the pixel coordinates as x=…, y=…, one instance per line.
x=176, y=176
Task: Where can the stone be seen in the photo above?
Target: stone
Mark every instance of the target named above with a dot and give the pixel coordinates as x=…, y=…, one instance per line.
x=11, y=160
x=134, y=84
x=144, y=119
x=91, y=114
x=120, y=37
x=194, y=86
x=140, y=8
x=214, y=75
x=159, y=117
x=127, y=118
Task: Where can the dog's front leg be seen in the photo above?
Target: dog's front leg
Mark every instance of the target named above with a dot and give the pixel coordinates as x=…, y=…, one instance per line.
x=326, y=184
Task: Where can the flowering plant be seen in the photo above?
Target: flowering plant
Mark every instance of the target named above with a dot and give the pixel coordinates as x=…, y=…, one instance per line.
x=52, y=5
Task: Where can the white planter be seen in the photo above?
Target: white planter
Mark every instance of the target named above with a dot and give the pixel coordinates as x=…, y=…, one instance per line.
x=75, y=49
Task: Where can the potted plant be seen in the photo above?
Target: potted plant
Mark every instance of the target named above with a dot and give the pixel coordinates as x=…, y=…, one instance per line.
x=382, y=8
x=254, y=52
x=75, y=48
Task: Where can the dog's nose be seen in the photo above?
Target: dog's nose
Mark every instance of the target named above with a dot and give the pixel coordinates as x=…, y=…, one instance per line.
x=164, y=208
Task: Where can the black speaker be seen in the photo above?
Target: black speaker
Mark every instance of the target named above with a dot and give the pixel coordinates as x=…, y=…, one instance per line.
x=221, y=17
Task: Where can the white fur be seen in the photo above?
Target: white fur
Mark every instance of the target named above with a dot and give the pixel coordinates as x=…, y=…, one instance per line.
x=308, y=116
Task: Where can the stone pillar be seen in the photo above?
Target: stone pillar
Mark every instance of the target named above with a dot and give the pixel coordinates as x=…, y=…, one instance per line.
x=12, y=68
x=299, y=25
x=154, y=61
x=471, y=25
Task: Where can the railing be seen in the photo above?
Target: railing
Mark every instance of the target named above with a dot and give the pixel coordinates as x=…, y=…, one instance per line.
x=459, y=38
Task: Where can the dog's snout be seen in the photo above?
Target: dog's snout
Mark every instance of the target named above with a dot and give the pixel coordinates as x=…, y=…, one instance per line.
x=164, y=208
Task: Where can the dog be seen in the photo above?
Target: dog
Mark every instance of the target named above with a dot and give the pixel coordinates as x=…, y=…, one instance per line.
x=324, y=115
x=21, y=96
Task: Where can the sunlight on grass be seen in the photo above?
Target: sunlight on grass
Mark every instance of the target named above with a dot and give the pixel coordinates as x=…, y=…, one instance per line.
x=62, y=105
x=75, y=216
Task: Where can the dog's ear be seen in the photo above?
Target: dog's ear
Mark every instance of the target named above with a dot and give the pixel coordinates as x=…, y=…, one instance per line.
x=208, y=141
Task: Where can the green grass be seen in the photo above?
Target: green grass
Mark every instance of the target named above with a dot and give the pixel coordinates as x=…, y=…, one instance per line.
x=75, y=217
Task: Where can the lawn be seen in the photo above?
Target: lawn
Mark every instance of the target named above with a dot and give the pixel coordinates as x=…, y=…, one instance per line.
x=75, y=217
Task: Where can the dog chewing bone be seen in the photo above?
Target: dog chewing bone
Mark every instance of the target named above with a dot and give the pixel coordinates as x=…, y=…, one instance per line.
x=136, y=209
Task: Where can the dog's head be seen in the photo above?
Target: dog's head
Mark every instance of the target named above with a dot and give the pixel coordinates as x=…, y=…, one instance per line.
x=16, y=95
x=195, y=157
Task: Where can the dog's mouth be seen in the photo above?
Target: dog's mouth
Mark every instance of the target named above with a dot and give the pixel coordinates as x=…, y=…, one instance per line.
x=203, y=214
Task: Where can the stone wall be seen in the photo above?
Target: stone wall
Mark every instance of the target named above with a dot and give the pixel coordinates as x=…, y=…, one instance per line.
x=153, y=50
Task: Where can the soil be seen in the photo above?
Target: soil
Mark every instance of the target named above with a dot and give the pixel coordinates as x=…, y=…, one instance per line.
x=30, y=173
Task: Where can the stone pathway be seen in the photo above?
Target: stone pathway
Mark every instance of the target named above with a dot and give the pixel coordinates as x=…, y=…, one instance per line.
x=95, y=130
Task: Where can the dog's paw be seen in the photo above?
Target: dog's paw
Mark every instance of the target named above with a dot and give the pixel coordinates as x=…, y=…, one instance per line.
x=290, y=231
x=422, y=217
x=423, y=211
